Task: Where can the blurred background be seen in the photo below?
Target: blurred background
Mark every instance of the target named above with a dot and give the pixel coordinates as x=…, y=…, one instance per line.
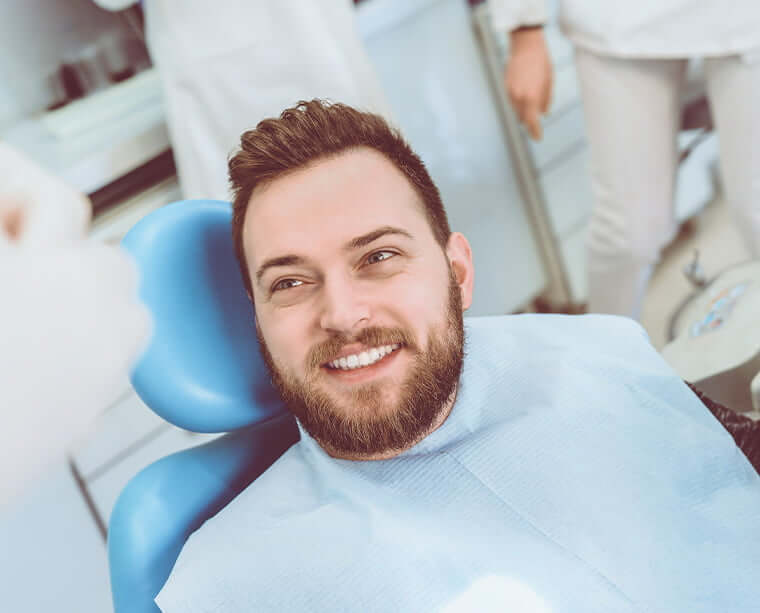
x=79, y=94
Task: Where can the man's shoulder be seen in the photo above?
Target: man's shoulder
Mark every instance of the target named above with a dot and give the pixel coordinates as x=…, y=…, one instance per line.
x=536, y=323
x=553, y=331
x=281, y=487
x=532, y=360
x=242, y=528
x=285, y=482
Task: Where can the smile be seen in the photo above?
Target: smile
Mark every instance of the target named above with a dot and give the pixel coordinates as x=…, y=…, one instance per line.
x=364, y=358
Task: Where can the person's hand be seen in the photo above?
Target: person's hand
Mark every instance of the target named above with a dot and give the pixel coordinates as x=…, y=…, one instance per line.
x=71, y=324
x=36, y=208
x=528, y=77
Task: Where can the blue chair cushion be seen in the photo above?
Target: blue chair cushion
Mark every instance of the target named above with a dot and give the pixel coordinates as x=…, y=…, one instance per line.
x=202, y=370
x=169, y=500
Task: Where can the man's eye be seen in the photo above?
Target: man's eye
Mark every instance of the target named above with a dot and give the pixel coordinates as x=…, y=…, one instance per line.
x=286, y=284
x=379, y=256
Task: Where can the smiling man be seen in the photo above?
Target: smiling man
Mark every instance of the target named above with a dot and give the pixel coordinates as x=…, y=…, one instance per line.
x=358, y=304
x=560, y=465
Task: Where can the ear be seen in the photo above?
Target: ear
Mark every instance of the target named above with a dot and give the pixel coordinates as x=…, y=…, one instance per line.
x=460, y=258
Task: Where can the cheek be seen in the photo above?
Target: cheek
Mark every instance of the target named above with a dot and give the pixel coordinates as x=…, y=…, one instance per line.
x=285, y=340
x=421, y=300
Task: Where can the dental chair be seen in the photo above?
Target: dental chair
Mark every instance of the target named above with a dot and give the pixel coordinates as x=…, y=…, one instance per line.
x=202, y=371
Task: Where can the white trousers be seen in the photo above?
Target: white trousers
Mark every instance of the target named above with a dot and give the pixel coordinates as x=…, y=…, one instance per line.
x=632, y=110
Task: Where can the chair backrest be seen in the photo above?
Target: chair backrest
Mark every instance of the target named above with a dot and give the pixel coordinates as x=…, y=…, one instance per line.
x=202, y=371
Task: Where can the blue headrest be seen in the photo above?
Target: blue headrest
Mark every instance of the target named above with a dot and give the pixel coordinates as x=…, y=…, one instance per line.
x=202, y=370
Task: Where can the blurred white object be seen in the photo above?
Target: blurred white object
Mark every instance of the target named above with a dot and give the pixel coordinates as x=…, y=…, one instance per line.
x=141, y=93
x=115, y=5
x=93, y=141
x=634, y=162
x=227, y=65
x=47, y=211
x=644, y=29
x=70, y=320
x=495, y=594
x=716, y=341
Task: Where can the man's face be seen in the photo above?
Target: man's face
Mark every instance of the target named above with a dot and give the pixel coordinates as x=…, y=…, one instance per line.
x=359, y=309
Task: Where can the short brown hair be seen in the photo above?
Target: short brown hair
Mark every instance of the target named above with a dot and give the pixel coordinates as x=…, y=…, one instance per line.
x=315, y=130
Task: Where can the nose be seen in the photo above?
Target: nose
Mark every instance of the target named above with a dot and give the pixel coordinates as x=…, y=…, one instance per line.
x=345, y=309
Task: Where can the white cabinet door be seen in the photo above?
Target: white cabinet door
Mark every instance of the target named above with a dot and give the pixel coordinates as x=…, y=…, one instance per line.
x=435, y=79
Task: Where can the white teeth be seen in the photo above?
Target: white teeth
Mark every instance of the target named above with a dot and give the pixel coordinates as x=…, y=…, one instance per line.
x=365, y=358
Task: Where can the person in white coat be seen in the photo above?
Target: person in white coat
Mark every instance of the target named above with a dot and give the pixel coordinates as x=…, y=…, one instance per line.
x=71, y=323
x=631, y=59
x=225, y=65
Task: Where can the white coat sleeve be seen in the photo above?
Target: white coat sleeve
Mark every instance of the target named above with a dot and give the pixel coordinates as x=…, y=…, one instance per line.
x=114, y=5
x=507, y=15
x=71, y=324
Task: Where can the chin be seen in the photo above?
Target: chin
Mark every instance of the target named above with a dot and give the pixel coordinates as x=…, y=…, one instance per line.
x=366, y=400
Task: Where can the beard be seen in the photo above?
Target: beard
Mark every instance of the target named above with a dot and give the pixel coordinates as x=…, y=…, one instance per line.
x=371, y=422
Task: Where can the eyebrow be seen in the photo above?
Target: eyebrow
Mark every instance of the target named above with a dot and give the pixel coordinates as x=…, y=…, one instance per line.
x=354, y=243
x=284, y=260
x=370, y=237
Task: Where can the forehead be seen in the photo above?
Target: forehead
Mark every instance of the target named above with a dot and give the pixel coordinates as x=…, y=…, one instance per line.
x=329, y=202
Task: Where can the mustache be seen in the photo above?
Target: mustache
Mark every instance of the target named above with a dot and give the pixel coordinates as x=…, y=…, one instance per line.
x=373, y=337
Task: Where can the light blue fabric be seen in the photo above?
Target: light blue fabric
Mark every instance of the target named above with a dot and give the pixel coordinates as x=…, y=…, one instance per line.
x=576, y=473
